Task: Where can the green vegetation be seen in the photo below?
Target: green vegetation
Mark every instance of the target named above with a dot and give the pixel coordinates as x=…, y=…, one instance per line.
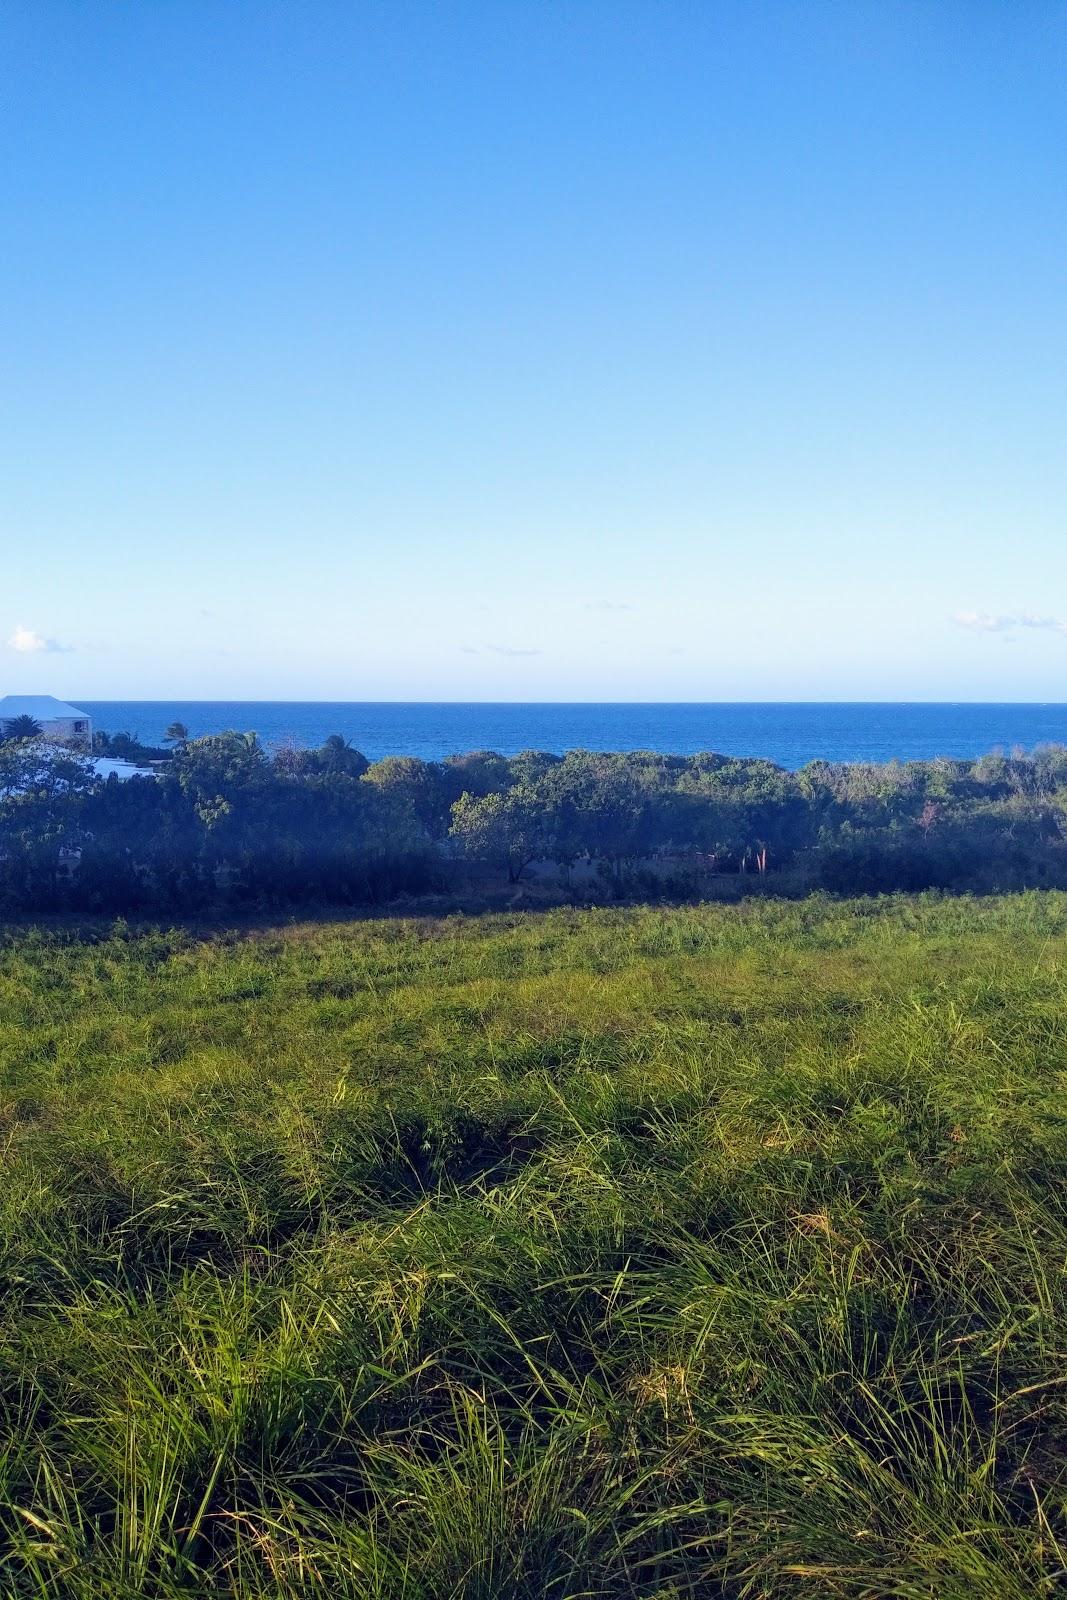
x=225, y=821
x=21, y=727
x=615, y=1253
x=128, y=747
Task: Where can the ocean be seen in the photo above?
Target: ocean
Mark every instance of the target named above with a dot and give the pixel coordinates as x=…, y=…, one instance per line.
x=789, y=733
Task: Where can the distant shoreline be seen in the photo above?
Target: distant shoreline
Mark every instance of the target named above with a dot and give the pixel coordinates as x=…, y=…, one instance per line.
x=789, y=733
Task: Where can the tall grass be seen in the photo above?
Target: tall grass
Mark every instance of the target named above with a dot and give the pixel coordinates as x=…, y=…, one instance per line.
x=708, y=1252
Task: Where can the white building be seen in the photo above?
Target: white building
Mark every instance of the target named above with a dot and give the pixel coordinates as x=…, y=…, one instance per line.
x=109, y=767
x=56, y=720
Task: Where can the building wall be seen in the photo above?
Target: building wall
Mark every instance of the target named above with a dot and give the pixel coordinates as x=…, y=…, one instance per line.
x=78, y=733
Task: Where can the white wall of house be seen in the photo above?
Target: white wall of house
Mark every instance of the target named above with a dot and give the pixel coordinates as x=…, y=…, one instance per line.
x=70, y=730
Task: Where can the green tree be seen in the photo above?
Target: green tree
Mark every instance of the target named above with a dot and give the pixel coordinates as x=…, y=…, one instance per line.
x=418, y=784
x=41, y=789
x=478, y=772
x=22, y=728
x=506, y=830
x=177, y=734
x=339, y=758
x=219, y=768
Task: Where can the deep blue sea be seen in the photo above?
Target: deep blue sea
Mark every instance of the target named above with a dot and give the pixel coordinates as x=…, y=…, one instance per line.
x=789, y=732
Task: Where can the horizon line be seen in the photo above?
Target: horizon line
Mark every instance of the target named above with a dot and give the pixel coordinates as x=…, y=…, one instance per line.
x=280, y=700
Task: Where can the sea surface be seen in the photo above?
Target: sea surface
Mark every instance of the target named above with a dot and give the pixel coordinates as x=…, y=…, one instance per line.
x=789, y=733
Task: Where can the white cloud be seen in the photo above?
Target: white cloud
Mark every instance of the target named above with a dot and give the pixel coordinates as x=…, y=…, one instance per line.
x=982, y=621
x=497, y=650
x=988, y=622
x=1052, y=624
x=27, y=641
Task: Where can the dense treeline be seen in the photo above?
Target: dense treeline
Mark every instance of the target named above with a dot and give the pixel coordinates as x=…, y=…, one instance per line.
x=222, y=818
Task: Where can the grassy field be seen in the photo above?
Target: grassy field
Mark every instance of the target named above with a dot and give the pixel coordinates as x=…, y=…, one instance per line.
x=712, y=1251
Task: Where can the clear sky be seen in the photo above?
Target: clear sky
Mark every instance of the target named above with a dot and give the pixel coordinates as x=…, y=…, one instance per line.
x=680, y=351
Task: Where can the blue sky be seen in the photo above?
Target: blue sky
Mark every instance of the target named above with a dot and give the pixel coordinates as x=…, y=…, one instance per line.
x=534, y=351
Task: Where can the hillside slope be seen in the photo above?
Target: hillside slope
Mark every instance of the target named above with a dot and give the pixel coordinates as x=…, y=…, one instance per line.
x=714, y=1251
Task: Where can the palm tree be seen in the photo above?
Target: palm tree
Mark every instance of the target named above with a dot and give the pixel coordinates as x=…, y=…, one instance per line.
x=337, y=755
x=22, y=728
x=177, y=733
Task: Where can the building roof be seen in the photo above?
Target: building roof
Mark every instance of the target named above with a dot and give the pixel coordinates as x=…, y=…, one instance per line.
x=41, y=707
x=102, y=767
x=107, y=767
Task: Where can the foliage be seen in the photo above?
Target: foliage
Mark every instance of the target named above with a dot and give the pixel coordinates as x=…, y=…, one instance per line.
x=611, y=1254
x=21, y=727
x=128, y=747
x=509, y=830
x=225, y=818
x=418, y=786
x=336, y=758
x=42, y=792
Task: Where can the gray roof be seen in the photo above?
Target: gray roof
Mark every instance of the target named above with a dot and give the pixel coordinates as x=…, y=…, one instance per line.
x=41, y=707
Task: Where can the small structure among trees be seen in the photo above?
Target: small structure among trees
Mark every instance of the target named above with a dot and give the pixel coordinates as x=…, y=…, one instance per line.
x=42, y=715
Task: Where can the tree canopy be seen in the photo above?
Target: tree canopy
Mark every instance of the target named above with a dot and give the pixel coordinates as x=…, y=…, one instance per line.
x=224, y=817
